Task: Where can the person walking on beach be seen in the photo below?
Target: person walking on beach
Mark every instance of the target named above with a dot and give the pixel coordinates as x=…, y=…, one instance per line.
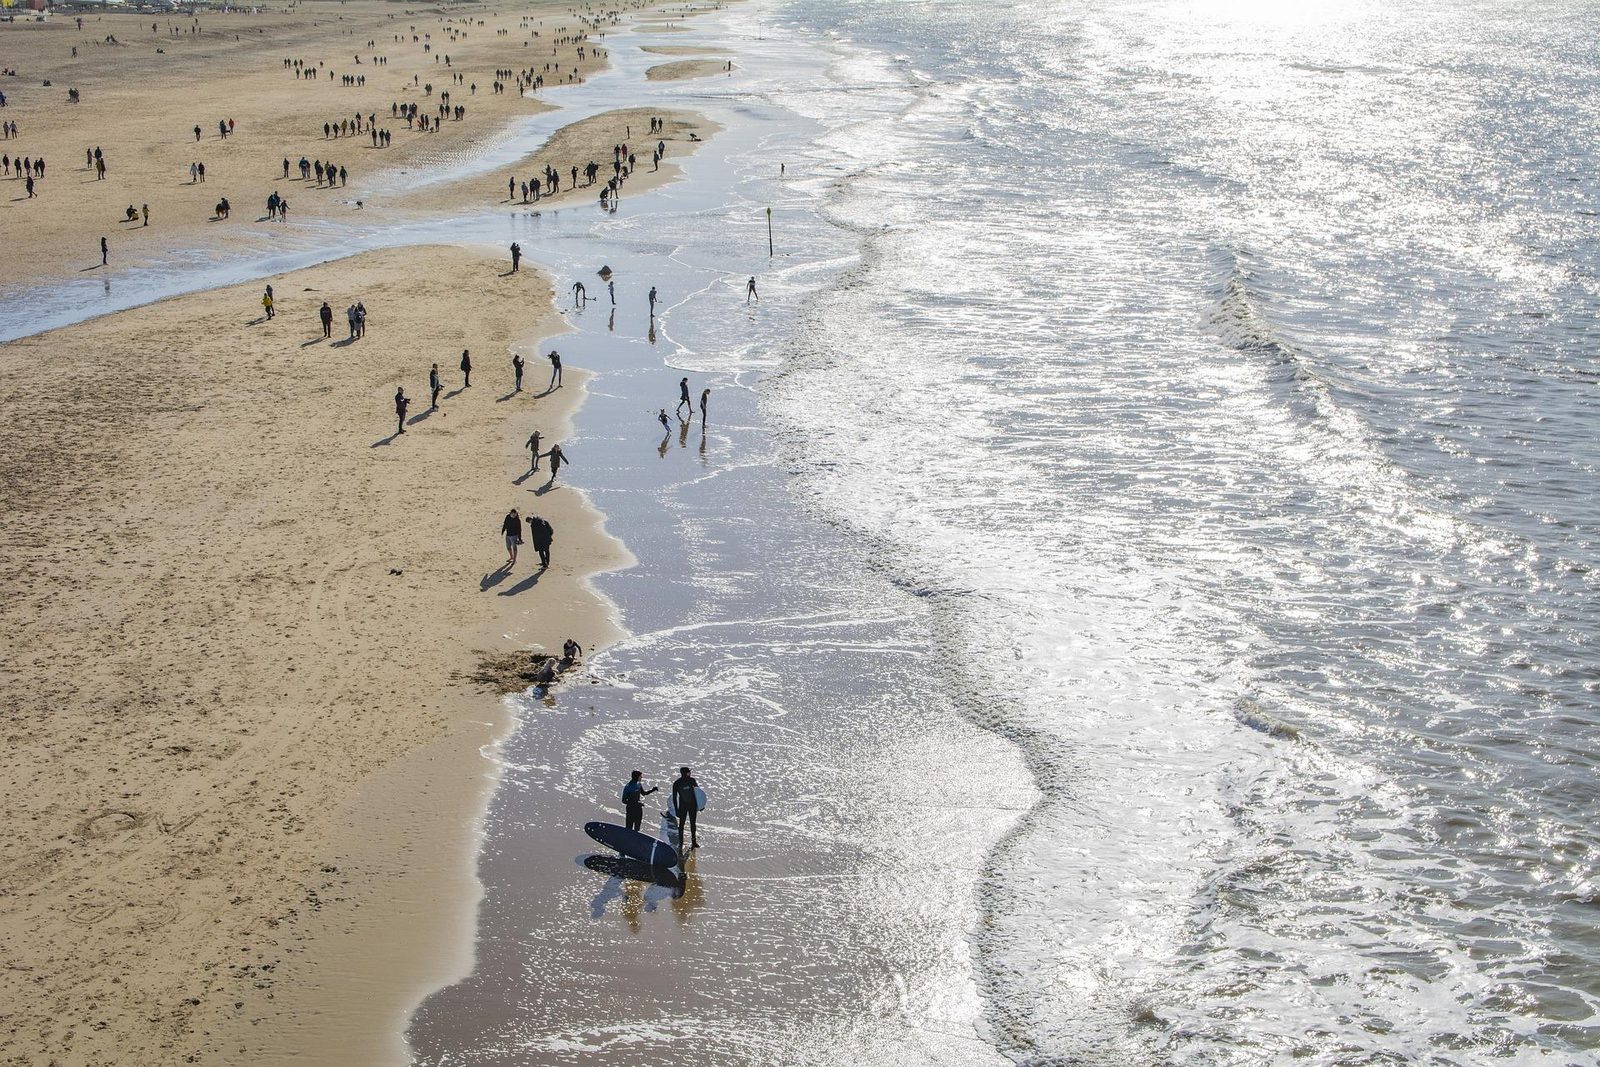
x=666, y=425
x=541, y=533
x=511, y=526
x=705, y=398
x=402, y=404
x=516, y=256
x=266, y=303
x=466, y=368
x=516, y=368
x=556, y=458
x=555, y=370
x=633, y=795
x=687, y=805
x=434, y=387
x=326, y=313
x=750, y=291
x=652, y=301
x=683, y=398
x=533, y=447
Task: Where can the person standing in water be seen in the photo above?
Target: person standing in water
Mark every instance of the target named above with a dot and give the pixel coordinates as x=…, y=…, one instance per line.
x=705, y=398
x=652, y=301
x=402, y=404
x=683, y=398
x=750, y=291
x=687, y=805
x=466, y=368
x=666, y=424
x=434, y=387
x=633, y=795
x=579, y=296
x=511, y=527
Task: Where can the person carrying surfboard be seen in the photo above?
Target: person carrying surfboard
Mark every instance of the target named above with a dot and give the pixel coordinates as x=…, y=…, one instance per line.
x=686, y=803
x=633, y=795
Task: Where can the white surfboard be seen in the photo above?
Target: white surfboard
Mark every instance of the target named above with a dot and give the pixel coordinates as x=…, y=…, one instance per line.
x=699, y=799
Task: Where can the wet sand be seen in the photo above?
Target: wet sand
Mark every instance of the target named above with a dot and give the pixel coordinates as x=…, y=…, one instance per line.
x=688, y=68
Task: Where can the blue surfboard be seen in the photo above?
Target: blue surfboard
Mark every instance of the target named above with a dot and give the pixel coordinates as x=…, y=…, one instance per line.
x=633, y=844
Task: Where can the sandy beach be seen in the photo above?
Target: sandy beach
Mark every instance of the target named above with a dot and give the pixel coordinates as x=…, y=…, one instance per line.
x=140, y=106
x=236, y=594
x=258, y=640
x=689, y=68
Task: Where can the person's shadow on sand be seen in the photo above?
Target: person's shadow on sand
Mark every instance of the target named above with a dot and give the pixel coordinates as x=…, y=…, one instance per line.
x=420, y=416
x=313, y=341
x=385, y=440
x=545, y=488
x=524, y=476
x=346, y=343
x=494, y=578
x=523, y=586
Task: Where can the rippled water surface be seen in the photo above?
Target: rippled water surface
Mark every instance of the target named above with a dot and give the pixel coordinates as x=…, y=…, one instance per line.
x=1236, y=363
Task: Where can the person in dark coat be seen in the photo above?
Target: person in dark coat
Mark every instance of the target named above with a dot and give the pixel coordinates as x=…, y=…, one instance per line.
x=541, y=533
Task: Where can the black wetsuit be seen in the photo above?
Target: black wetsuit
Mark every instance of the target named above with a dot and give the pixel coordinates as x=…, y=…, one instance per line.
x=633, y=795
x=688, y=807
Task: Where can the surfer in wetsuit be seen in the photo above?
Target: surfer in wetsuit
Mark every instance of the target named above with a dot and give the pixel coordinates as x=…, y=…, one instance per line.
x=687, y=806
x=633, y=795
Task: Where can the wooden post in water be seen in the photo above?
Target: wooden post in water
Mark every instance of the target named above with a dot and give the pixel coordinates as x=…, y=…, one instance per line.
x=769, y=233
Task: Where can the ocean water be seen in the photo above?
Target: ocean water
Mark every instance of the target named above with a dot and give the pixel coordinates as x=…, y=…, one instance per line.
x=1229, y=372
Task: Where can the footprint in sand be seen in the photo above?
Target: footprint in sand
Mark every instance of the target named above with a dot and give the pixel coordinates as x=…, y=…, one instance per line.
x=111, y=823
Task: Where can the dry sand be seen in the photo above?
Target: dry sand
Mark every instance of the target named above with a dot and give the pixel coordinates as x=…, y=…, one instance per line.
x=232, y=596
x=573, y=145
x=140, y=109
x=688, y=68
